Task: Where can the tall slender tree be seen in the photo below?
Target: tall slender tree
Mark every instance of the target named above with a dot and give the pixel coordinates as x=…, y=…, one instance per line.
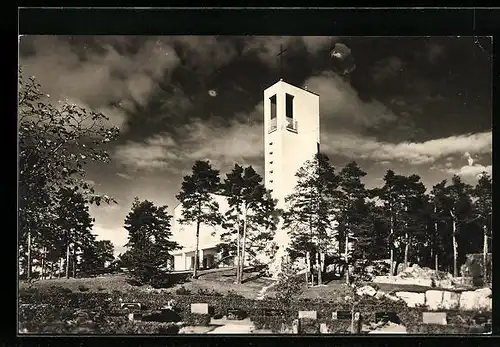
x=74, y=221
x=353, y=214
x=311, y=210
x=482, y=194
x=250, y=209
x=454, y=201
x=198, y=204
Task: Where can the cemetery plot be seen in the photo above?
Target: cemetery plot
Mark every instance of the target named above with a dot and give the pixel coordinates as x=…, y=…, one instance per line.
x=387, y=316
x=342, y=315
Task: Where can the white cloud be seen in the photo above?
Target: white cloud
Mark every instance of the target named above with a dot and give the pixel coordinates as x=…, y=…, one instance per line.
x=118, y=236
x=356, y=147
x=474, y=170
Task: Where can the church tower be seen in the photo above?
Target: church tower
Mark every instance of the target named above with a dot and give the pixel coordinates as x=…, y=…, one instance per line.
x=291, y=135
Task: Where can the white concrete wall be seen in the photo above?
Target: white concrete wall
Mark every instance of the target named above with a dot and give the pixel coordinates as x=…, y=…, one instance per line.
x=286, y=149
x=185, y=235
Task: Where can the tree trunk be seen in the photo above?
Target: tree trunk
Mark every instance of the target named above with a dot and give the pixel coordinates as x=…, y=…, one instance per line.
x=196, y=253
x=74, y=262
x=346, y=257
x=42, y=275
x=238, y=252
x=245, y=211
x=60, y=267
x=455, y=250
x=435, y=246
x=391, y=245
x=308, y=266
x=318, y=262
x=392, y=262
x=67, y=259
x=485, y=254
x=28, y=265
x=51, y=269
x=407, y=246
x=436, y=264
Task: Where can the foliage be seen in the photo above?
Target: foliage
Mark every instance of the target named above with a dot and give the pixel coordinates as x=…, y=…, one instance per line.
x=196, y=319
x=198, y=204
x=308, y=326
x=96, y=256
x=56, y=142
x=148, y=241
x=311, y=213
x=251, y=219
x=289, y=286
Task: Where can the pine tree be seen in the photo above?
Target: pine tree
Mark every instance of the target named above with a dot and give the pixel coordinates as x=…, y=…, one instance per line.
x=310, y=216
x=353, y=212
x=483, y=210
x=149, y=242
x=198, y=204
x=74, y=222
x=454, y=201
x=250, y=211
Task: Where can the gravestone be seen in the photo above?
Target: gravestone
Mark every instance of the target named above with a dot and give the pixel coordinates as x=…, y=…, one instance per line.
x=480, y=319
x=272, y=312
x=134, y=316
x=130, y=305
x=308, y=314
x=356, y=323
x=200, y=308
x=434, y=318
x=387, y=316
x=236, y=314
x=323, y=328
x=342, y=315
x=295, y=326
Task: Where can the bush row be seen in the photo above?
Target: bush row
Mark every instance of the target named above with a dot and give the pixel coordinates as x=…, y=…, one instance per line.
x=195, y=319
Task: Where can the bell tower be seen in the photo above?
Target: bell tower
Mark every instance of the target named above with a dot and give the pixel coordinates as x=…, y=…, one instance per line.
x=291, y=135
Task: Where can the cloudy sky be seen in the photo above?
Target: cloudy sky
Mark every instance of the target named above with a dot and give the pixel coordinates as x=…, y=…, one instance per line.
x=416, y=105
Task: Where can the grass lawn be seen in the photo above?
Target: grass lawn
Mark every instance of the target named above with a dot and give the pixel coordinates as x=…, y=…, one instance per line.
x=220, y=282
x=106, y=283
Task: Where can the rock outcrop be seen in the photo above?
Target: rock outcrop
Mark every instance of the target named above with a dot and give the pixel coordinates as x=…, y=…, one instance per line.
x=477, y=300
x=412, y=299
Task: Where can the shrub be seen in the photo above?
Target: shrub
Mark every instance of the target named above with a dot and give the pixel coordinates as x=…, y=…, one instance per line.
x=338, y=326
x=274, y=323
x=196, y=319
x=83, y=288
x=308, y=326
x=207, y=292
x=182, y=291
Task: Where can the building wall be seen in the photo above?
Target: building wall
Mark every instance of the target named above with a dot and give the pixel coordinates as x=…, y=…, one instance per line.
x=286, y=150
x=185, y=235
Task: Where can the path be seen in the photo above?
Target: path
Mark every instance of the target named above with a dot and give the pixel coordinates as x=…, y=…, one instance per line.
x=233, y=329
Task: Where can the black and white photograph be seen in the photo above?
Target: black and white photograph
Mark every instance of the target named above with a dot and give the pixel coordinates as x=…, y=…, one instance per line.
x=254, y=184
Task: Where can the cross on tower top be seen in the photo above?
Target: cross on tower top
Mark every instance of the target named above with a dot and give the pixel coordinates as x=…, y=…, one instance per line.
x=280, y=57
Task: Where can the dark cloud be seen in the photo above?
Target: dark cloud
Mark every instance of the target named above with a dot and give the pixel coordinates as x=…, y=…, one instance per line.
x=412, y=104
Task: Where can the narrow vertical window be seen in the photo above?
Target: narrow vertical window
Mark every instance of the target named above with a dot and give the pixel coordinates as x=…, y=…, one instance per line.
x=273, y=106
x=289, y=106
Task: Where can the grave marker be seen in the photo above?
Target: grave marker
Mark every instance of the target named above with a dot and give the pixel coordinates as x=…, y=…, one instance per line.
x=134, y=316
x=130, y=305
x=295, y=326
x=341, y=315
x=387, y=317
x=200, y=308
x=434, y=318
x=308, y=314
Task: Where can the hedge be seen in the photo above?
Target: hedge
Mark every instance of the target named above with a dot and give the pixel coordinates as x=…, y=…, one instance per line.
x=308, y=326
x=277, y=324
x=197, y=319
